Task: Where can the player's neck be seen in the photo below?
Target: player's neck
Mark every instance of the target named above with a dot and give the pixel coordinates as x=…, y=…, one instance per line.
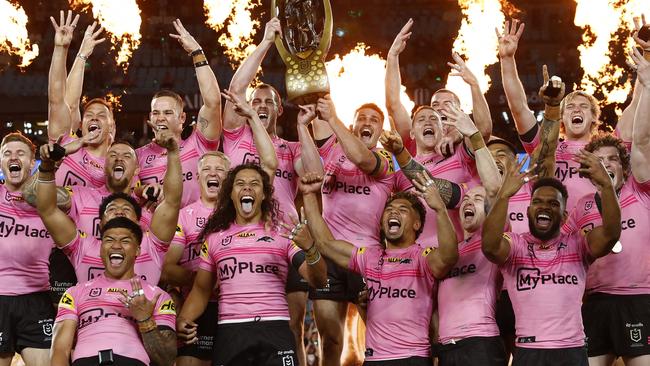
x=99, y=151
x=403, y=243
x=126, y=276
x=424, y=150
x=243, y=221
x=209, y=203
x=578, y=138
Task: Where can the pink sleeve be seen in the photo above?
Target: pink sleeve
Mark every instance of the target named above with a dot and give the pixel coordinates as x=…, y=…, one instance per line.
x=207, y=145
x=359, y=259
x=236, y=134
x=156, y=244
x=165, y=311
x=389, y=165
x=466, y=160
x=530, y=146
x=292, y=250
x=328, y=147
x=583, y=247
x=401, y=182
x=72, y=250
x=571, y=223
x=76, y=203
x=515, y=247
x=179, y=236
x=641, y=190
x=296, y=150
x=67, y=309
x=207, y=256
x=423, y=263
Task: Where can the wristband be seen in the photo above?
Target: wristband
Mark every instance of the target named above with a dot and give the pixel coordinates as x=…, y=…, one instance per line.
x=45, y=181
x=40, y=169
x=142, y=321
x=85, y=58
x=198, y=51
x=314, y=259
x=147, y=327
x=477, y=141
x=201, y=63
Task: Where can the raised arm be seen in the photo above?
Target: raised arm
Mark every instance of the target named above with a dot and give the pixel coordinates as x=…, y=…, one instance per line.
x=75, y=81
x=394, y=82
x=165, y=218
x=640, y=155
x=601, y=239
x=63, y=342
x=309, y=160
x=57, y=222
x=338, y=251
x=209, y=119
x=246, y=73
x=480, y=108
x=58, y=111
x=512, y=86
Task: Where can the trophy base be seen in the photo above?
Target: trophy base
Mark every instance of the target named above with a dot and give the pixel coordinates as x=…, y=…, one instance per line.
x=310, y=98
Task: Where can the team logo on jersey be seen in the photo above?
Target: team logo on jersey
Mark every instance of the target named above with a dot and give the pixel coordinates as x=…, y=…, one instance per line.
x=250, y=158
x=361, y=250
x=204, y=249
x=118, y=290
x=82, y=234
x=9, y=227
x=95, y=292
x=179, y=230
x=167, y=307
x=200, y=222
x=47, y=329
x=229, y=268
x=150, y=159
x=66, y=301
x=389, y=160
x=245, y=235
x=72, y=179
x=399, y=260
x=589, y=205
x=427, y=251
x=635, y=335
x=227, y=240
x=530, y=278
x=266, y=239
x=287, y=361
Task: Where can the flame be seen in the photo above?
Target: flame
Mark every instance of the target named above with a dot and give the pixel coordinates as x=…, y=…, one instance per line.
x=121, y=19
x=478, y=42
x=354, y=338
x=357, y=78
x=237, y=40
x=115, y=100
x=13, y=33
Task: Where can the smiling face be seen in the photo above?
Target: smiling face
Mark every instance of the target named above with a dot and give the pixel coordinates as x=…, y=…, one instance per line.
x=503, y=157
x=610, y=157
x=472, y=209
x=118, y=251
x=368, y=124
x=212, y=172
x=546, y=212
x=399, y=221
x=97, y=117
x=166, y=113
x=427, y=129
x=247, y=195
x=577, y=117
x=120, y=167
x=17, y=163
x=265, y=103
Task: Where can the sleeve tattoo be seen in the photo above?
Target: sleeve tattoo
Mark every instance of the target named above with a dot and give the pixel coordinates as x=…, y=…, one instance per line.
x=448, y=190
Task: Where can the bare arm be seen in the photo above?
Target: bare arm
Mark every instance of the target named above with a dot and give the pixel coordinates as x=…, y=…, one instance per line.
x=394, y=82
x=640, y=155
x=160, y=345
x=309, y=160
x=62, y=342
x=480, y=108
x=172, y=272
x=626, y=122
x=195, y=305
x=544, y=154
x=165, y=218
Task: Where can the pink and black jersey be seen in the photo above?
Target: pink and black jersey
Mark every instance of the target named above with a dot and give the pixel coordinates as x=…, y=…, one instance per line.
x=80, y=168
x=103, y=322
x=518, y=209
x=25, y=246
x=153, y=163
x=624, y=272
x=251, y=265
x=84, y=250
x=239, y=145
x=353, y=201
x=400, y=301
x=467, y=296
x=566, y=169
x=546, y=288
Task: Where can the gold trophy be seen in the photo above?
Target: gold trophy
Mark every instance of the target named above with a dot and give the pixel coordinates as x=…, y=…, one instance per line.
x=306, y=46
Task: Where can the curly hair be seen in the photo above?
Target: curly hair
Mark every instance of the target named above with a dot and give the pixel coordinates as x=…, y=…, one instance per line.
x=224, y=213
x=416, y=204
x=607, y=139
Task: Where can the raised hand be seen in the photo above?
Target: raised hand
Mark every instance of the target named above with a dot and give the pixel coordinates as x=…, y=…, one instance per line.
x=164, y=138
x=391, y=140
x=514, y=178
x=139, y=306
x=184, y=37
x=509, y=40
x=310, y=183
x=459, y=120
x=460, y=69
x=48, y=154
x=557, y=83
x=325, y=108
x=306, y=114
x=641, y=66
x=298, y=233
x=399, y=44
x=426, y=189
x=591, y=167
x=272, y=28
x=64, y=30
x=639, y=22
x=240, y=105
x=90, y=40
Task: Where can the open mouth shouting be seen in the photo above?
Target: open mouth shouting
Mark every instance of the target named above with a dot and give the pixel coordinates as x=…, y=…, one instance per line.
x=394, y=225
x=577, y=120
x=118, y=171
x=263, y=116
x=116, y=259
x=611, y=174
x=501, y=168
x=15, y=169
x=428, y=132
x=366, y=134
x=212, y=185
x=247, y=204
x=543, y=221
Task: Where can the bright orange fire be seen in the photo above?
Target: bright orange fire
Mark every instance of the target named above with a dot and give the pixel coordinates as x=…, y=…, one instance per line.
x=13, y=33
x=237, y=40
x=121, y=19
x=354, y=339
x=478, y=42
x=358, y=78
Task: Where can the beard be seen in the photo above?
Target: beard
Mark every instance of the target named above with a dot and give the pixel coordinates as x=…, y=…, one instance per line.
x=552, y=231
x=117, y=185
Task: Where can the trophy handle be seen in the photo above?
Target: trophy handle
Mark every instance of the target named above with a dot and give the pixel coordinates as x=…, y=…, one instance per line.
x=326, y=39
x=284, y=53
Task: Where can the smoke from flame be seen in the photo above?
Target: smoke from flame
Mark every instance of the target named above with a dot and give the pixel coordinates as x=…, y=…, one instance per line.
x=121, y=19
x=357, y=78
x=478, y=42
x=237, y=40
x=13, y=33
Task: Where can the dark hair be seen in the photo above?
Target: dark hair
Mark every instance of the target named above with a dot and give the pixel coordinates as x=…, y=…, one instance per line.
x=275, y=92
x=372, y=106
x=122, y=223
x=607, y=139
x=119, y=196
x=417, y=206
x=224, y=213
x=553, y=183
x=171, y=94
x=101, y=101
x=497, y=140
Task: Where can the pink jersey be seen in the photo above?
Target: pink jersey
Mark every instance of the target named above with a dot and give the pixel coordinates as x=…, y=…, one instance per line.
x=251, y=264
x=628, y=271
x=458, y=168
x=467, y=296
x=546, y=288
x=518, y=209
x=25, y=245
x=103, y=322
x=153, y=163
x=240, y=147
x=400, y=300
x=566, y=170
x=83, y=253
x=80, y=169
x=353, y=201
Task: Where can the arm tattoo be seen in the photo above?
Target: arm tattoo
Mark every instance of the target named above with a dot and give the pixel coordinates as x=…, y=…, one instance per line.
x=545, y=159
x=63, y=200
x=160, y=345
x=445, y=187
x=202, y=124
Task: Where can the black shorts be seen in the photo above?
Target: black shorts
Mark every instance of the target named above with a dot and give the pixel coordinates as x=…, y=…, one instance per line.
x=505, y=315
x=295, y=282
x=263, y=343
x=26, y=321
x=206, y=330
x=342, y=285
x=484, y=351
x=617, y=324
x=117, y=359
x=62, y=275
x=576, y=356
x=411, y=361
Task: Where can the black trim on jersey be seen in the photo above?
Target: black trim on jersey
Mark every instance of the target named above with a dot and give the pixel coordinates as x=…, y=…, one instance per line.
x=321, y=142
x=298, y=259
x=377, y=164
x=599, y=203
x=455, y=196
x=529, y=135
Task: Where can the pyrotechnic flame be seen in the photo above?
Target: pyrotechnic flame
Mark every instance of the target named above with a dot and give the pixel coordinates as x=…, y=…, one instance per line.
x=13, y=33
x=357, y=78
x=478, y=42
x=121, y=19
x=354, y=338
x=237, y=40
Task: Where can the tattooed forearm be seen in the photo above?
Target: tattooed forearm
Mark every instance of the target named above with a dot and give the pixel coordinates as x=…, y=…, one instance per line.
x=160, y=345
x=544, y=155
x=445, y=187
x=63, y=200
